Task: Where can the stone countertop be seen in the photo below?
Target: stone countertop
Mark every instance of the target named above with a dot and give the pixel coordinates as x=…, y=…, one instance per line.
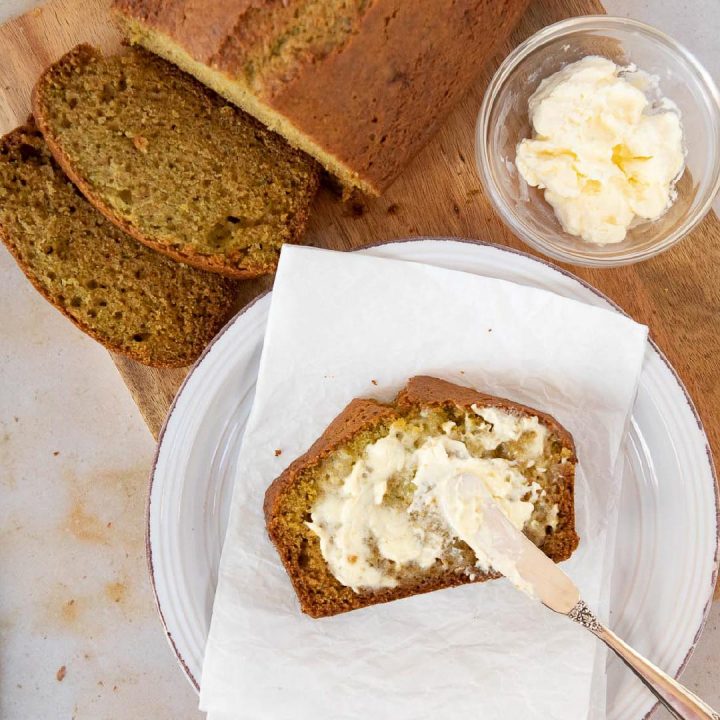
x=79, y=633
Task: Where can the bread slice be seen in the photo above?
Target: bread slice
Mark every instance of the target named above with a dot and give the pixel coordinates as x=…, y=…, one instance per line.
x=172, y=163
x=128, y=297
x=426, y=408
x=360, y=86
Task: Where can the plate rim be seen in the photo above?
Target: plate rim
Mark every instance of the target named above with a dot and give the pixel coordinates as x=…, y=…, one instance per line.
x=469, y=241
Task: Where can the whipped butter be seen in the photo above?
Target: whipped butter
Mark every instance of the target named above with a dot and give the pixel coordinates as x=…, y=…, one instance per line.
x=465, y=504
x=366, y=538
x=602, y=157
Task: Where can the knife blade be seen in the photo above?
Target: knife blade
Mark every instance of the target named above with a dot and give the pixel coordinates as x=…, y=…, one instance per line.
x=511, y=553
x=530, y=570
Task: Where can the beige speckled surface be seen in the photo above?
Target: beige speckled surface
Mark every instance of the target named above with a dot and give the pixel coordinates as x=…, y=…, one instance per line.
x=74, y=459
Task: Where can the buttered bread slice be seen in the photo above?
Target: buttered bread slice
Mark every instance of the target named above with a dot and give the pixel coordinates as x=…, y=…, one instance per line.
x=359, y=519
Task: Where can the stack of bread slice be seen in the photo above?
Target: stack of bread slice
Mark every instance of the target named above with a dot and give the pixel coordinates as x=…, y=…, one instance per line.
x=137, y=195
x=161, y=159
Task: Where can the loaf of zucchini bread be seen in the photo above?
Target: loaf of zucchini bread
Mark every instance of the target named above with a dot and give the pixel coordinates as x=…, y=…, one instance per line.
x=360, y=85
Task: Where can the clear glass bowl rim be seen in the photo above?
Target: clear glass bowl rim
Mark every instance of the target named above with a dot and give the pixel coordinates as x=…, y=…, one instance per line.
x=555, y=31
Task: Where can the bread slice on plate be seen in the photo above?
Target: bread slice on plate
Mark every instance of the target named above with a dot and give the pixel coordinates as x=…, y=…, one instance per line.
x=172, y=163
x=355, y=520
x=128, y=297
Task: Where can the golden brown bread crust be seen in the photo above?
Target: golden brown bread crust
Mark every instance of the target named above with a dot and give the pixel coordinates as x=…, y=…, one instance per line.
x=426, y=390
x=186, y=254
x=371, y=101
x=363, y=414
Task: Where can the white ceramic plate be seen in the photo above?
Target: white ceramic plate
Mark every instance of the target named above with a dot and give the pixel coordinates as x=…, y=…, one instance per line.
x=667, y=548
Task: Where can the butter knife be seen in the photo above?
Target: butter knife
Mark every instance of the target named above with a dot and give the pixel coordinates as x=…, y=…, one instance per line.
x=550, y=585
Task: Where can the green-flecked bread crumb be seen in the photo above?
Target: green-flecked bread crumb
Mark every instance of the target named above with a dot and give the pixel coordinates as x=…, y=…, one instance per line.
x=172, y=163
x=128, y=297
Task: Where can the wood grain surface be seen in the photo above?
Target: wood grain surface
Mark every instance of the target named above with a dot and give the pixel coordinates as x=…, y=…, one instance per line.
x=676, y=294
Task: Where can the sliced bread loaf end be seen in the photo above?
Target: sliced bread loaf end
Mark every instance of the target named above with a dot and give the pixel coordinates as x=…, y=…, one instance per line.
x=361, y=86
x=128, y=297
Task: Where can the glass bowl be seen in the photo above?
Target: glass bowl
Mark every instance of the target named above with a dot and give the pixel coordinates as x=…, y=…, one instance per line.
x=503, y=123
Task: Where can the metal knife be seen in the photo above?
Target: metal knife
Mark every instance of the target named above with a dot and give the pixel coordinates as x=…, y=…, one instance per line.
x=557, y=591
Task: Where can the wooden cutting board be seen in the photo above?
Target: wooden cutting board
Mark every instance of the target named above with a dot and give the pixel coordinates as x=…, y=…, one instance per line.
x=677, y=294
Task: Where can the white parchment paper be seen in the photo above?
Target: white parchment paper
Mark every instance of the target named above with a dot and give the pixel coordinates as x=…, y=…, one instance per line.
x=340, y=323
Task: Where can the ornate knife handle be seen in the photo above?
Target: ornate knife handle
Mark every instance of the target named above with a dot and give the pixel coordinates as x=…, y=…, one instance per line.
x=681, y=703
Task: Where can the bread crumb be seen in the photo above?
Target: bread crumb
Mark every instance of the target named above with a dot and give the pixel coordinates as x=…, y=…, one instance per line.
x=56, y=453
x=373, y=381
x=278, y=452
x=60, y=674
x=141, y=143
